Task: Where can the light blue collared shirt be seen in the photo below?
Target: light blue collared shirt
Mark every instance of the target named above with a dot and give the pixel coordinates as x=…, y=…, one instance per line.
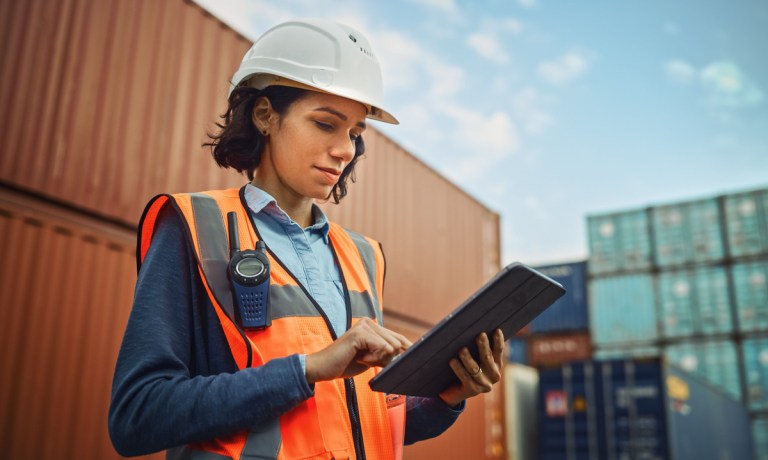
x=305, y=252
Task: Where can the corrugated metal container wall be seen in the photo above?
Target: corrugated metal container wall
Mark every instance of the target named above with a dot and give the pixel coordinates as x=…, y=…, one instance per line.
x=119, y=125
x=746, y=217
x=634, y=351
x=750, y=282
x=619, y=242
x=121, y=120
x=760, y=437
x=548, y=350
x=570, y=312
x=704, y=423
x=695, y=301
x=622, y=309
x=411, y=210
x=60, y=325
x=687, y=233
x=467, y=438
x=123, y=91
x=756, y=372
x=716, y=361
x=636, y=410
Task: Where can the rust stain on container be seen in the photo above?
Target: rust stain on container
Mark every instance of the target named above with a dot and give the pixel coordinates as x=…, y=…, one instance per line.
x=558, y=349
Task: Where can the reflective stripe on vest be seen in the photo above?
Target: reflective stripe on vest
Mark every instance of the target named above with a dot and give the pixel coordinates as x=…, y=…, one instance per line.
x=320, y=427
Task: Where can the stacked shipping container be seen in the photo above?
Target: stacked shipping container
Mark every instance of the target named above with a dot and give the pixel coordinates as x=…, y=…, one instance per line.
x=597, y=410
x=687, y=281
x=560, y=333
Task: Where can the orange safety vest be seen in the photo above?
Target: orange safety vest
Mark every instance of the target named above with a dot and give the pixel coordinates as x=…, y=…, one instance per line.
x=345, y=418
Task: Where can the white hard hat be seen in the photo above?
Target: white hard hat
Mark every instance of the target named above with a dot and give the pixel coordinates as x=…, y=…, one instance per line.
x=319, y=55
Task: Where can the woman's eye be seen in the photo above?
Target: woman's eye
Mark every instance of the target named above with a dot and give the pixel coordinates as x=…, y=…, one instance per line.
x=324, y=126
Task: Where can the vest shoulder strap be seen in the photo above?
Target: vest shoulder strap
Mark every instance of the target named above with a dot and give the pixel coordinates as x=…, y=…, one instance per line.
x=204, y=217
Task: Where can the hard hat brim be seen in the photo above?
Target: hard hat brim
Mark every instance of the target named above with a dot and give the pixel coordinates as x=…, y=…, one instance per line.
x=261, y=81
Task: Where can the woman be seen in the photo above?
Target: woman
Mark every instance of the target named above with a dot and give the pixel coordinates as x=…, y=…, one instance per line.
x=214, y=367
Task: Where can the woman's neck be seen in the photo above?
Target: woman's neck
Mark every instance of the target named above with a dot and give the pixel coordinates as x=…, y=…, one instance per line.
x=298, y=207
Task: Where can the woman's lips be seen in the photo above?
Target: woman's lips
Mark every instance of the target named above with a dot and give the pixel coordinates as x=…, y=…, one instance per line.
x=331, y=174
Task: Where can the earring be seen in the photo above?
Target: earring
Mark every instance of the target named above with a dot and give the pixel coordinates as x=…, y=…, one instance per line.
x=264, y=132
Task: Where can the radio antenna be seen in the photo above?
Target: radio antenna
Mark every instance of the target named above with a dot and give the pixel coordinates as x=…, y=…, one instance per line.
x=234, y=238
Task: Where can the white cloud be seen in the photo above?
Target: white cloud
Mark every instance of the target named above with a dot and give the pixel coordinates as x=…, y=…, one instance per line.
x=481, y=140
x=499, y=84
x=538, y=123
x=488, y=46
x=400, y=56
x=250, y=19
x=512, y=25
x=564, y=69
x=526, y=104
x=446, y=6
x=728, y=86
x=446, y=80
x=680, y=71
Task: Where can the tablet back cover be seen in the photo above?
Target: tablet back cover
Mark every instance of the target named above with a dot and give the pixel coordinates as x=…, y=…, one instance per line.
x=515, y=296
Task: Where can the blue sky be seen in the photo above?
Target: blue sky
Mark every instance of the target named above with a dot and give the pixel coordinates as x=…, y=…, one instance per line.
x=548, y=111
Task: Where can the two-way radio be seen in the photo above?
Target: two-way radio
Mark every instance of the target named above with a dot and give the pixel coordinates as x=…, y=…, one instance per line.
x=249, y=274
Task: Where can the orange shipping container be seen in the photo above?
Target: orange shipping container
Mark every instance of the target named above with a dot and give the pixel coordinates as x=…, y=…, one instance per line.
x=123, y=93
x=557, y=349
x=126, y=91
x=67, y=284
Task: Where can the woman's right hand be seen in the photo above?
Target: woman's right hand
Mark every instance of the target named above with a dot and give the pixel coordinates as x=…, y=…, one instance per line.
x=364, y=345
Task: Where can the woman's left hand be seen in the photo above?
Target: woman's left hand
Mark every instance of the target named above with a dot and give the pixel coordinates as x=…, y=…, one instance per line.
x=476, y=377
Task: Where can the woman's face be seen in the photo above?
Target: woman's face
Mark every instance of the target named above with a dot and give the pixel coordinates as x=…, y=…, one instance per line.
x=311, y=144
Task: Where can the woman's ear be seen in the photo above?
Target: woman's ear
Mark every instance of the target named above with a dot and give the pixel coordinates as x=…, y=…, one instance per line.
x=263, y=115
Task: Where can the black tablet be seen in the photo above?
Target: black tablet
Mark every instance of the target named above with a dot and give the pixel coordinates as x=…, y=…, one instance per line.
x=515, y=296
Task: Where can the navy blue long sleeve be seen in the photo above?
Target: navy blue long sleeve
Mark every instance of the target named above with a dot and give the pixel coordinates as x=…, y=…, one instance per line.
x=175, y=380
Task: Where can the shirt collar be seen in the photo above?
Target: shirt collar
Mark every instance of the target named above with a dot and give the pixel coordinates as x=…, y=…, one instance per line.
x=260, y=201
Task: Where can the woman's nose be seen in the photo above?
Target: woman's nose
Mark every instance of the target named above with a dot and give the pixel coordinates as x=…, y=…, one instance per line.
x=344, y=149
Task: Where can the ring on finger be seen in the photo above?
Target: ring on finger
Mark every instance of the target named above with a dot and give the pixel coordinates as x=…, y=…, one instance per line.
x=476, y=373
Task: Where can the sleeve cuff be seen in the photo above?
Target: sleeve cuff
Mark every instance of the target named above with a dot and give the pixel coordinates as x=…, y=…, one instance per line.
x=300, y=368
x=457, y=409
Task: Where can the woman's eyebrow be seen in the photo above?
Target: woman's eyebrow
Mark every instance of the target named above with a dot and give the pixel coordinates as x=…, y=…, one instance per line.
x=339, y=114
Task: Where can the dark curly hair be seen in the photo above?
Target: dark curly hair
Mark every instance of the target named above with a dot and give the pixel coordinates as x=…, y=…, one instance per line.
x=239, y=145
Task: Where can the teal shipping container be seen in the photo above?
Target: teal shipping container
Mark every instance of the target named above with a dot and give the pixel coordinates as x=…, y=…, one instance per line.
x=756, y=370
x=619, y=242
x=746, y=221
x=715, y=361
x=750, y=282
x=636, y=351
x=694, y=302
x=687, y=233
x=622, y=310
x=760, y=437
